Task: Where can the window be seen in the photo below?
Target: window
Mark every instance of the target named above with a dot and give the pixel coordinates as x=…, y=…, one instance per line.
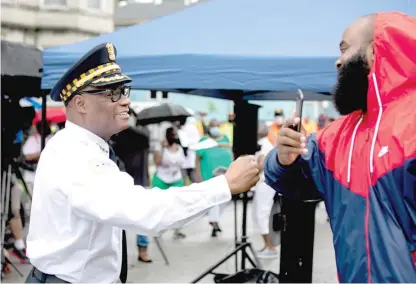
x=55, y=2
x=156, y=2
x=95, y=4
x=190, y=2
x=158, y=95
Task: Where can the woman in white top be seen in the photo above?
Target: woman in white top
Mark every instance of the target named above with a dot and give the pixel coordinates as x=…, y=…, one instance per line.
x=169, y=160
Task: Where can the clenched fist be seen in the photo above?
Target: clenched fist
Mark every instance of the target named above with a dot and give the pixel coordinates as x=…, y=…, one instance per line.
x=242, y=174
x=290, y=143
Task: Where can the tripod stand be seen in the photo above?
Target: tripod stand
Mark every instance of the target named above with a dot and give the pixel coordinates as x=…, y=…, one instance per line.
x=241, y=245
x=5, y=202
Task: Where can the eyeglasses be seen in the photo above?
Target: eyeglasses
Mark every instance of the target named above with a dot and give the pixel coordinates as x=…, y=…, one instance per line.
x=115, y=95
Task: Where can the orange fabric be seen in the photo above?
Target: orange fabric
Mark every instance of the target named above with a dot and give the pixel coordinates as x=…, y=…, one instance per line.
x=310, y=127
x=272, y=135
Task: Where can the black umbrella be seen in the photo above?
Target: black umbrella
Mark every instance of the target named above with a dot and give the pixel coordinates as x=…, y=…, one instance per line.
x=163, y=112
x=129, y=141
x=20, y=70
x=20, y=60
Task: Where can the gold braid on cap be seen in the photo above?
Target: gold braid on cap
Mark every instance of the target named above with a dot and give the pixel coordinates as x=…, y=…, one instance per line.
x=86, y=78
x=110, y=79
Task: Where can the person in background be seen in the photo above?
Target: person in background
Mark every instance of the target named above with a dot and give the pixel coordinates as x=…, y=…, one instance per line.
x=15, y=214
x=227, y=128
x=208, y=160
x=31, y=151
x=132, y=147
x=279, y=118
x=201, y=124
x=322, y=121
x=363, y=165
x=15, y=221
x=309, y=125
x=32, y=146
x=189, y=136
x=169, y=159
x=263, y=198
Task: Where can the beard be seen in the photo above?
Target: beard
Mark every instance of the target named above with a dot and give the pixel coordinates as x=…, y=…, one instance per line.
x=350, y=92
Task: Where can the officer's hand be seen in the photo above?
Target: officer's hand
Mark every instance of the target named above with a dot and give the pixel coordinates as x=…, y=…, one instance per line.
x=290, y=143
x=242, y=174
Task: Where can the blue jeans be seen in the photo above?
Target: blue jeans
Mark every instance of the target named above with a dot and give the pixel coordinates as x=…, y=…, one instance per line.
x=142, y=241
x=36, y=277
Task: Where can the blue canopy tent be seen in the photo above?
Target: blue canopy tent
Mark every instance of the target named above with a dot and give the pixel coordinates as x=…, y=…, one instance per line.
x=223, y=45
x=236, y=49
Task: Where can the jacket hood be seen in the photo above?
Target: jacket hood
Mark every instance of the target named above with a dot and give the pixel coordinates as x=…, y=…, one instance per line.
x=393, y=74
x=394, y=63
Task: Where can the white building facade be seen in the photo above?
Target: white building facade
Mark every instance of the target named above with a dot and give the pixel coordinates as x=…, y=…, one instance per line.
x=49, y=23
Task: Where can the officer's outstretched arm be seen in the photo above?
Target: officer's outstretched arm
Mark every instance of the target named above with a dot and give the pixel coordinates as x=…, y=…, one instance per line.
x=100, y=191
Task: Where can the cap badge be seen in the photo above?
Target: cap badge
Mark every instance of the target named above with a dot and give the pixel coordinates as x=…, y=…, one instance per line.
x=110, y=50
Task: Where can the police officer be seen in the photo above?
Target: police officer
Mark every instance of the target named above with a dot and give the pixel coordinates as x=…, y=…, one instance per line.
x=82, y=201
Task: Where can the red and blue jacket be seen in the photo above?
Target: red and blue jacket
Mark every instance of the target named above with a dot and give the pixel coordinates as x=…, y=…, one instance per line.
x=364, y=166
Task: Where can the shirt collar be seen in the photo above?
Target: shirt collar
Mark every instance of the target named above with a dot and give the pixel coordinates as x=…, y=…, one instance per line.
x=101, y=143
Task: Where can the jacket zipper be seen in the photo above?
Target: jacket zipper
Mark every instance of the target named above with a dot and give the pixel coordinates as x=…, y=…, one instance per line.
x=367, y=229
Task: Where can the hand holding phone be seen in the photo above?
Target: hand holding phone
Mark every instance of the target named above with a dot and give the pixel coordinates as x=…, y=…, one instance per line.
x=290, y=141
x=299, y=108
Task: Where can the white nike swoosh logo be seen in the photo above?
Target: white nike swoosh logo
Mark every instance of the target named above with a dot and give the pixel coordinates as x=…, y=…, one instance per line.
x=384, y=150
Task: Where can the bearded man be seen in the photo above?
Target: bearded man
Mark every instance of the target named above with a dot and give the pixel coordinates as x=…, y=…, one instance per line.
x=363, y=165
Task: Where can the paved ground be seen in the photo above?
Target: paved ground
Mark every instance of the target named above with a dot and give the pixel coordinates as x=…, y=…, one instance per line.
x=193, y=255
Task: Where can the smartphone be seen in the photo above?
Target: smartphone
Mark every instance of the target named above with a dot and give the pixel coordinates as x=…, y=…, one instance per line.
x=299, y=107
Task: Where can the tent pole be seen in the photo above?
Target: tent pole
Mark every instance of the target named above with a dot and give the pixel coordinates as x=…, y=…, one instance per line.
x=246, y=116
x=43, y=122
x=297, y=241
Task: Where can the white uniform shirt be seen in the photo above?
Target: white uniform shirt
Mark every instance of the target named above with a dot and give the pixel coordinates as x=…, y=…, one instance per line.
x=81, y=200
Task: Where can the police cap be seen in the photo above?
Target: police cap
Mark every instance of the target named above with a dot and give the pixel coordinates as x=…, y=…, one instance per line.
x=96, y=68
